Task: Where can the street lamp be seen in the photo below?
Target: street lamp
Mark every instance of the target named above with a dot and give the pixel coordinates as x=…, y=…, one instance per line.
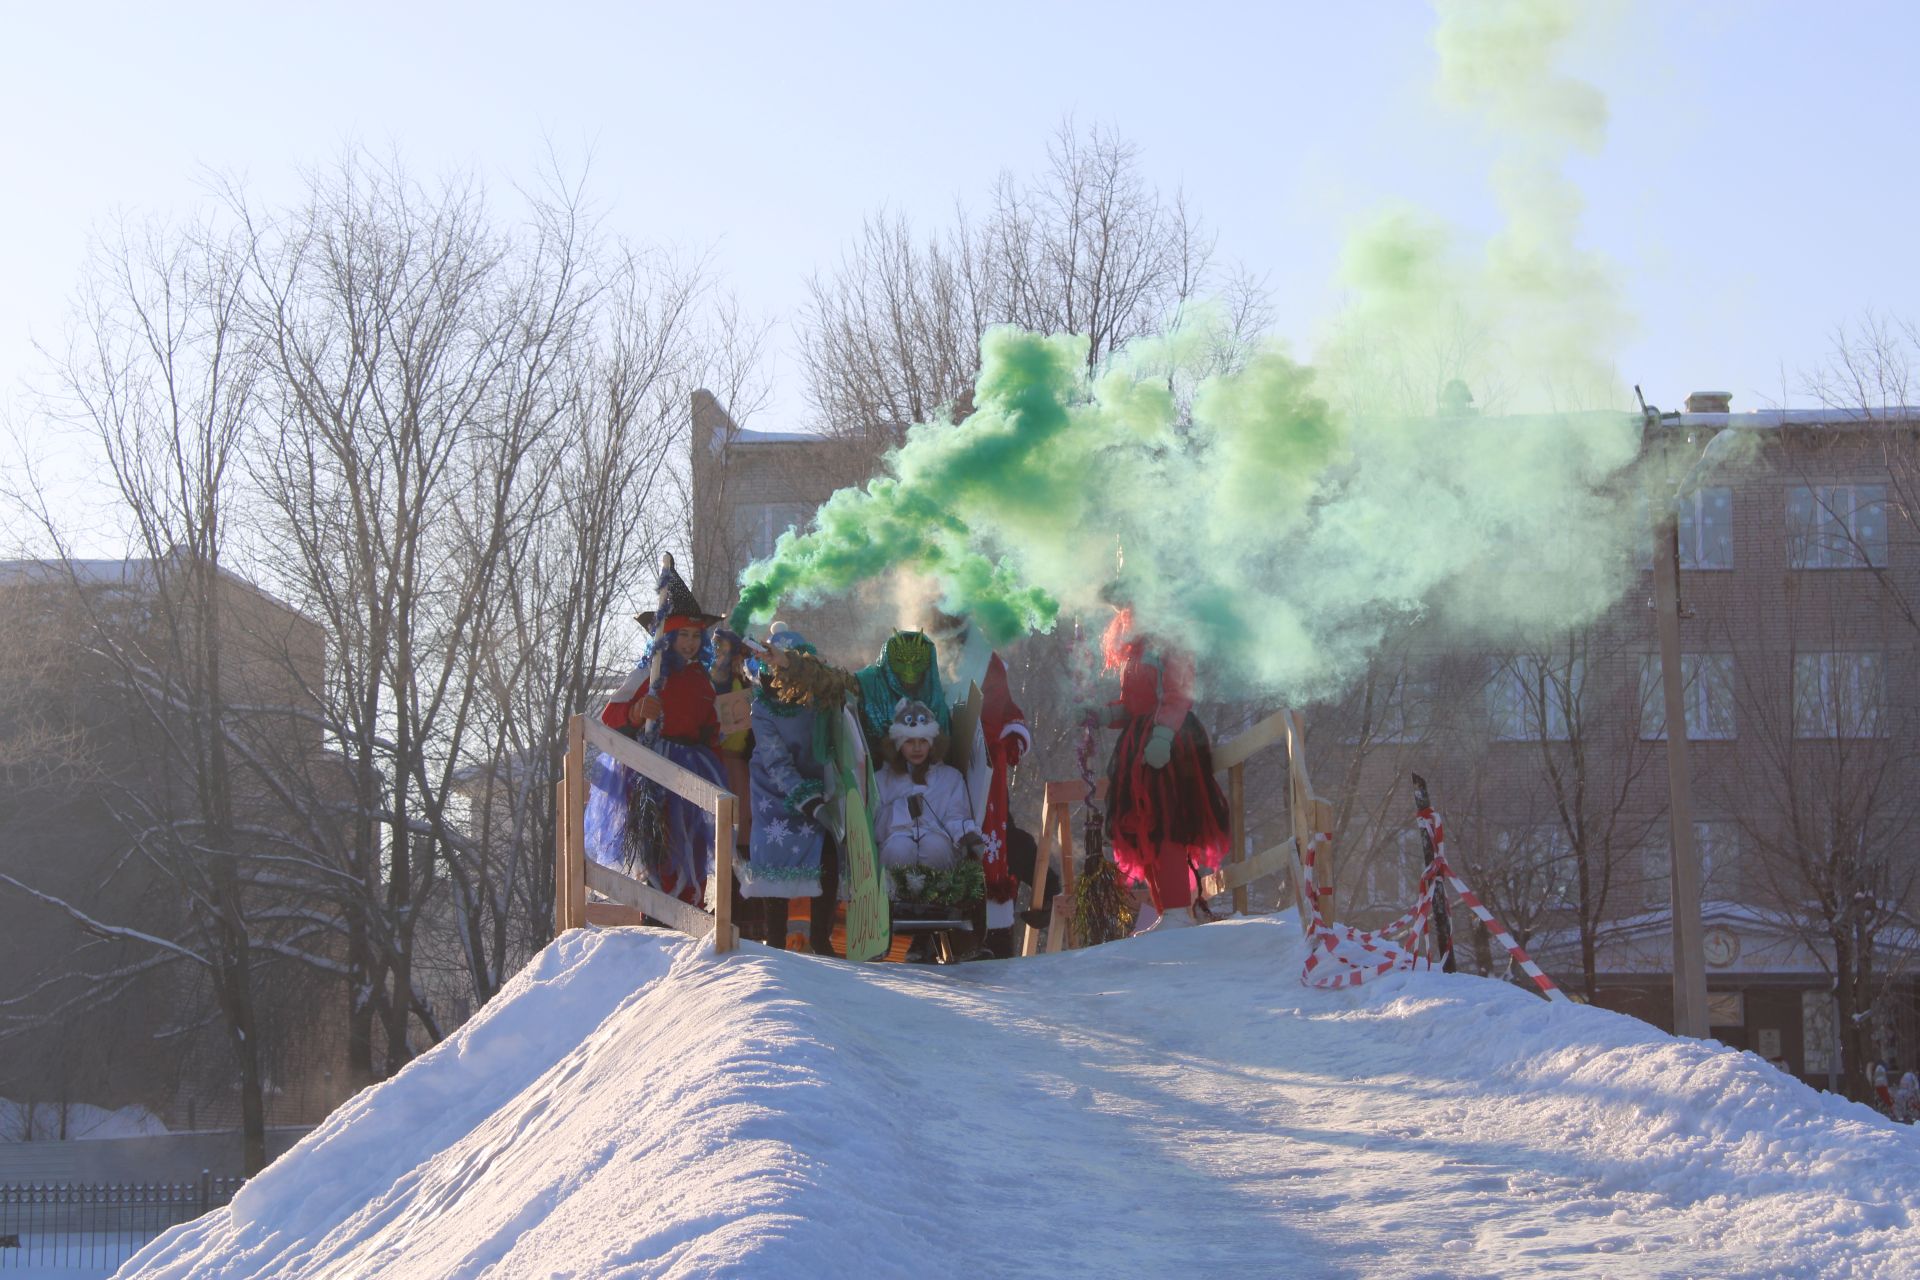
x=1689, y=956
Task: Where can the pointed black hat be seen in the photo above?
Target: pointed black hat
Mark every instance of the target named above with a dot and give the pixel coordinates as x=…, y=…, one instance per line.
x=676, y=601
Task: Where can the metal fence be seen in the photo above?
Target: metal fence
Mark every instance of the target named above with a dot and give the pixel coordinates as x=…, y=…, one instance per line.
x=97, y=1226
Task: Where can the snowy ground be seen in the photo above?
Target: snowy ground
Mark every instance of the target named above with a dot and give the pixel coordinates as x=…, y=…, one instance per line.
x=634, y=1106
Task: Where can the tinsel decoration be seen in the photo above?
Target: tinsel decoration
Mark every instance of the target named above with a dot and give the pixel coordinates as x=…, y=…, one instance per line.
x=1103, y=909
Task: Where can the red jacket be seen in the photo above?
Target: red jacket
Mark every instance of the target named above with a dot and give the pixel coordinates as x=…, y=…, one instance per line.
x=686, y=700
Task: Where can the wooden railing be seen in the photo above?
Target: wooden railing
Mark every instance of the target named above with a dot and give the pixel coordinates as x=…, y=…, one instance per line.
x=630, y=901
x=1306, y=810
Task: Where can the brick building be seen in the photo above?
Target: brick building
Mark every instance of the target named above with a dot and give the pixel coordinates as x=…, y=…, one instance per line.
x=86, y=767
x=1801, y=583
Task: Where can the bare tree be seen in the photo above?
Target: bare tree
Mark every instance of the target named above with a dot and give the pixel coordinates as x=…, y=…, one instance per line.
x=159, y=381
x=1088, y=247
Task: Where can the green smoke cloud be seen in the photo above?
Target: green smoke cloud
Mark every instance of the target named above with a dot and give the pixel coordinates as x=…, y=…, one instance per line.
x=1279, y=520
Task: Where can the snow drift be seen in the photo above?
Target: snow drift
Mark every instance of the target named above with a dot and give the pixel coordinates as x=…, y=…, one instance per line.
x=633, y=1105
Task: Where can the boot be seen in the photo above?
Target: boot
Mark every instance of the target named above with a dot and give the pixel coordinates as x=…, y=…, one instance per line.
x=799, y=924
x=1180, y=917
x=1040, y=918
x=997, y=944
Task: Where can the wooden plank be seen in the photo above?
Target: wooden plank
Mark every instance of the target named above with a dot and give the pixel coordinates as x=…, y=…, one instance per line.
x=1239, y=875
x=1299, y=797
x=664, y=907
x=1322, y=812
x=1068, y=870
x=1059, y=926
x=576, y=776
x=1261, y=736
x=724, y=935
x=1042, y=860
x=1065, y=795
x=560, y=857
x=614, y=915
x=653, y=765
x=1236, y=834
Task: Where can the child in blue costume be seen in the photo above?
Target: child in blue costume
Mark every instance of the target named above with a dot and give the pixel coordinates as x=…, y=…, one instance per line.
x=790, y=840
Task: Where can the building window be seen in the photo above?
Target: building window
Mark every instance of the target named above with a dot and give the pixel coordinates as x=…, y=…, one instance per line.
x=1837, y=526
x=1705, y=528
x=1718, y=846
x=758, y=525
x=1838, y=695
x=1708, y=694
x=1533, y=699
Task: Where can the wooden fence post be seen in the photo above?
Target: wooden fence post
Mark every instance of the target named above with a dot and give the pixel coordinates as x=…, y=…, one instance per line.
x=576, y=822
x=1237, y=827
x=1042, y=859
x=723, y=937
x=1069, y=868
x=560, y=792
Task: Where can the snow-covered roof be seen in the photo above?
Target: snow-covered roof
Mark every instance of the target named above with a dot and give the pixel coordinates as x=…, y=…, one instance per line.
x=132, y=574
x=1775, y=419
x=745, y=436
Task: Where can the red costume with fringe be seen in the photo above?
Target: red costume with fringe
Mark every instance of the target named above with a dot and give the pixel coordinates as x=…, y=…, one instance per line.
x=1168, y=822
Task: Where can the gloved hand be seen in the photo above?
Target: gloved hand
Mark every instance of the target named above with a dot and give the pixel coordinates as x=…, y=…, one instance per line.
x=648, y=710
x=1015, y=746
x=815, y=809
x=973, y=844
x=1159, y=747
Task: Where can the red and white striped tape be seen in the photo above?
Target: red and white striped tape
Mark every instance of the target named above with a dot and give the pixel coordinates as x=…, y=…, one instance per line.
x=1342, y=956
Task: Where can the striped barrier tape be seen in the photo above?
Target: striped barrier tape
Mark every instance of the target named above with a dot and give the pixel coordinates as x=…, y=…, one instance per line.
x=1350, y=956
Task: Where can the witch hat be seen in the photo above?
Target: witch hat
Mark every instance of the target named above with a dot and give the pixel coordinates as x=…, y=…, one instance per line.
x=677, y=606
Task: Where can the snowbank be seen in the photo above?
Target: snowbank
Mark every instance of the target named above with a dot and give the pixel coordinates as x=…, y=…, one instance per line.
x=634, y=1106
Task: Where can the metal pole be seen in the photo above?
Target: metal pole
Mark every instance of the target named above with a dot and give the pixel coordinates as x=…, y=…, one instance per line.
x=1689, y=958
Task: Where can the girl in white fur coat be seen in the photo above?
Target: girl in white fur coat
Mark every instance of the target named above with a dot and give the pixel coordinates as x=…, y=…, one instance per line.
x=923, y=816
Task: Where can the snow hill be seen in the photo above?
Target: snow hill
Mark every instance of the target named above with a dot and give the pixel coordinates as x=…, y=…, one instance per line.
x=633, y=1105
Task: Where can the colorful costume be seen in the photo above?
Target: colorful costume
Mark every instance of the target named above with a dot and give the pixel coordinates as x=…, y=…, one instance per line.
x=922, y=818
x=908, y=667
x=1004, y=727
x=1166, y=815
x=667, y=704
x=788, y=787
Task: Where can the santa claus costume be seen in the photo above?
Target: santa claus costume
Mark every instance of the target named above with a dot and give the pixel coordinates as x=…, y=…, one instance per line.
x=667, y=704
x=1004, y=727
x=1166, y=815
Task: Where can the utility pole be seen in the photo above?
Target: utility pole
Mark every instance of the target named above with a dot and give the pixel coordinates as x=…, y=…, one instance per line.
x=1689, y=957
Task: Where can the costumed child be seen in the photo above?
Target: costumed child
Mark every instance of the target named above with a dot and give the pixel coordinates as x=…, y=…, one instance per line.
x=668, y=704
x=908, y=667
x=923, y=822
x=789, y=830
x=1010, y=852
x=1166, y=815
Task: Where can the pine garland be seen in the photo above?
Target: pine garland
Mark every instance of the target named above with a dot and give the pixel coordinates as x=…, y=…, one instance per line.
x=920, y=884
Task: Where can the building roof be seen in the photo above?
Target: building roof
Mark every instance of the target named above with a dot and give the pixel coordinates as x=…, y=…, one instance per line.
x=131, y=574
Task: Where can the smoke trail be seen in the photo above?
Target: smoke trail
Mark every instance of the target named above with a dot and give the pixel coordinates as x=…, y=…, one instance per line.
x=1276, y=520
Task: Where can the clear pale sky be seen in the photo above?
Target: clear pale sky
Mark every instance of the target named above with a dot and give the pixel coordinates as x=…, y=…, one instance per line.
x=1757, y=186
